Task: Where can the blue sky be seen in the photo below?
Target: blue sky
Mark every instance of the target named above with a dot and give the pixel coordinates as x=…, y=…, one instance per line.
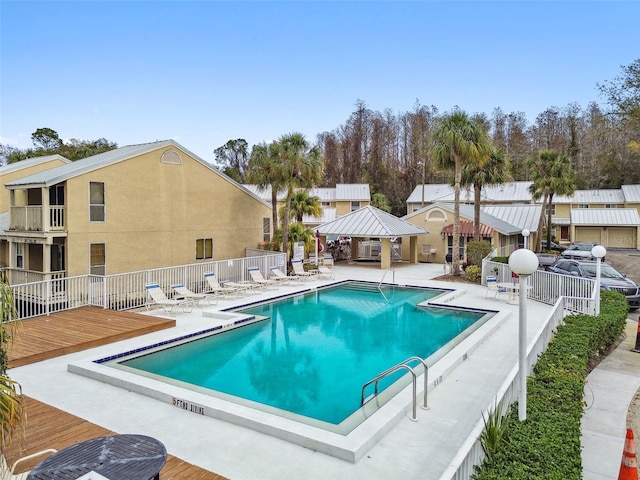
x=205, y=72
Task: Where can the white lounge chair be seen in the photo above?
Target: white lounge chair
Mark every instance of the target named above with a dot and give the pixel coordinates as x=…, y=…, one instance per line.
x=167, y=304
x=257, y=277
x=492, y=286
x=184, y=293
x=279, y=276
x=6, y=473
x=324, y=271
x=299, y=270
x=216, y=289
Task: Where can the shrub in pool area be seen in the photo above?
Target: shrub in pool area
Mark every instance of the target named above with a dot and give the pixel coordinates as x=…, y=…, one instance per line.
x=547, y=444
x=473, y=272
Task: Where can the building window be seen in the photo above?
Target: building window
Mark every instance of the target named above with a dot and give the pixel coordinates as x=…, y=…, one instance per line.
x=326, y=204
x=450, y=246
x=583, y=205
x=96, y=202
x=610, y=205
x=204, y=248
x=436, y=216
x=266, y=229
x=98, y=262
x=551, y=207
x=355, y=206
x=19, y=255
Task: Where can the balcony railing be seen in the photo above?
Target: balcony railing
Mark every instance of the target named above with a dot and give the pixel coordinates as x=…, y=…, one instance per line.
x=31, y=219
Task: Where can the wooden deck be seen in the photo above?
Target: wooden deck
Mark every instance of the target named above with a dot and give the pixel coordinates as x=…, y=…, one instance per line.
x=43, y=338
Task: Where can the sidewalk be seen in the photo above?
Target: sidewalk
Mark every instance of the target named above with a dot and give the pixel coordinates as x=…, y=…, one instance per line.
x=609, y=390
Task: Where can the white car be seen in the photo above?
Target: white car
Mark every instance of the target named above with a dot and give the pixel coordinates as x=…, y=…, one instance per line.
x=579, y=251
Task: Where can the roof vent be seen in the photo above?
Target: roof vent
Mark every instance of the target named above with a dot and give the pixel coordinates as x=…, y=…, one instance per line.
x=172, y=157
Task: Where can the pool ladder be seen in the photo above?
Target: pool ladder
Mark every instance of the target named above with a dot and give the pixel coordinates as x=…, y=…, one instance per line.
x=395, y=368
x=382, y=280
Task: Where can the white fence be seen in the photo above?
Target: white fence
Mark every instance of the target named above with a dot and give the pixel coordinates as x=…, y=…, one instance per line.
x=127, y=290
x=548, y=287
x=471, y=453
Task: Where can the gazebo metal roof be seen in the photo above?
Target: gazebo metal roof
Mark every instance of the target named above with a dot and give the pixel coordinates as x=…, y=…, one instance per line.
x=369, y=222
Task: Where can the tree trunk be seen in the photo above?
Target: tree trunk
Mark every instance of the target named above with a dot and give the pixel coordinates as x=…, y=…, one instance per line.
x=455, y=251
x=549, y=221
x=541, y=224
x=477, y=199
x=274, y=208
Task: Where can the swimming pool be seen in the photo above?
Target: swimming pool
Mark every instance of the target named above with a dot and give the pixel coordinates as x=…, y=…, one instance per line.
x=301, y=364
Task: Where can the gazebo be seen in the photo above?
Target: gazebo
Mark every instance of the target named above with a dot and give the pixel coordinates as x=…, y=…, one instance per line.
x=371, y=222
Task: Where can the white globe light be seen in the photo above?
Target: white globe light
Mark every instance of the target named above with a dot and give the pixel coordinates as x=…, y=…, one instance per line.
x=523, y=261
x=526, y=233
x=598, y=251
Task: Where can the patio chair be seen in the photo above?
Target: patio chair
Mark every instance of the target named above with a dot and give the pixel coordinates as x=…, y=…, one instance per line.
x=299, y=270
x=279, y=276
x=327, y=260
x=214, y=287
x=6, y=473
x=167, y=304
x=184, y=293
x=324, y=271
x=257, y=277
x=492, y=286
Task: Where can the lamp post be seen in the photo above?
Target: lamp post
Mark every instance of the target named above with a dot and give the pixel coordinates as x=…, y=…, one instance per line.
x=525, y=234
x=598, y=252
x=523, y=262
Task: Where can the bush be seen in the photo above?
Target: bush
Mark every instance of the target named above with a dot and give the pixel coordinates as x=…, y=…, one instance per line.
x=473, y=272
x=547, y=444
x=476, y=251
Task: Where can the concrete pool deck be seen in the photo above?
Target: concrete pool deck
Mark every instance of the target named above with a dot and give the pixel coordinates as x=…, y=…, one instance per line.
x=423, y=449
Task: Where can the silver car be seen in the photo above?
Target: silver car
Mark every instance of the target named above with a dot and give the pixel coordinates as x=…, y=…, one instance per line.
x=579, y=251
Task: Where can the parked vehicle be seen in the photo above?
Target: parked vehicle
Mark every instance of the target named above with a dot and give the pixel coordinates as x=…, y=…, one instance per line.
x=579, y=251
x=610, y=278
x=554, y=246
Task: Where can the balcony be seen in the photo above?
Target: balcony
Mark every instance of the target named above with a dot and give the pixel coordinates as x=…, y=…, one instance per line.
x=31, y=219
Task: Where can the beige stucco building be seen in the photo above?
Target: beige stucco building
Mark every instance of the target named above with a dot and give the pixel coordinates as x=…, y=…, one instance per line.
x=133, y=208
x=610, y=217
x=501, y=225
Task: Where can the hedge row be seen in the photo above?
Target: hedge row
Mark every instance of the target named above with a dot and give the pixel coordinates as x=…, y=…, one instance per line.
x=547, y=444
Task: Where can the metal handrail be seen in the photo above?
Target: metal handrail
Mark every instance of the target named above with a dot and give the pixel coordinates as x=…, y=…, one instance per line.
x=395, y=368
x=382, y=280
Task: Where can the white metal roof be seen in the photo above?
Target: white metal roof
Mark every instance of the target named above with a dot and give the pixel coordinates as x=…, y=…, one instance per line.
x=369, y=222
x=328, y=214
x=353, y=191
x=521, y=216
x=443, y=192
x=324, y=194
x=605, y=217
x=591, y=196
x=59, y=174
x=631, y=193
x=505, y=219
x=29, y=162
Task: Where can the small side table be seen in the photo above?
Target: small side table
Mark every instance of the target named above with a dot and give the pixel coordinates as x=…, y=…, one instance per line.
x=116, y=457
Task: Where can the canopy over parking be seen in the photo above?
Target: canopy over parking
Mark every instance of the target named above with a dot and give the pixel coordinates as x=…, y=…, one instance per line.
x=371, y=222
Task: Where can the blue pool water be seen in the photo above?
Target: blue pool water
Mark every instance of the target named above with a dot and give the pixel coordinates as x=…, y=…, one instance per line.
x=316, y=350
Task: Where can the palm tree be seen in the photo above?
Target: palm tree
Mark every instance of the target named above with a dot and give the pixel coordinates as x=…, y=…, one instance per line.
x=552, y=173
x=298, y=233
x=11, y=401
x=495, y=171
x=303, y=204
x=266, y=172
x=456, y=141
x=302, y=167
